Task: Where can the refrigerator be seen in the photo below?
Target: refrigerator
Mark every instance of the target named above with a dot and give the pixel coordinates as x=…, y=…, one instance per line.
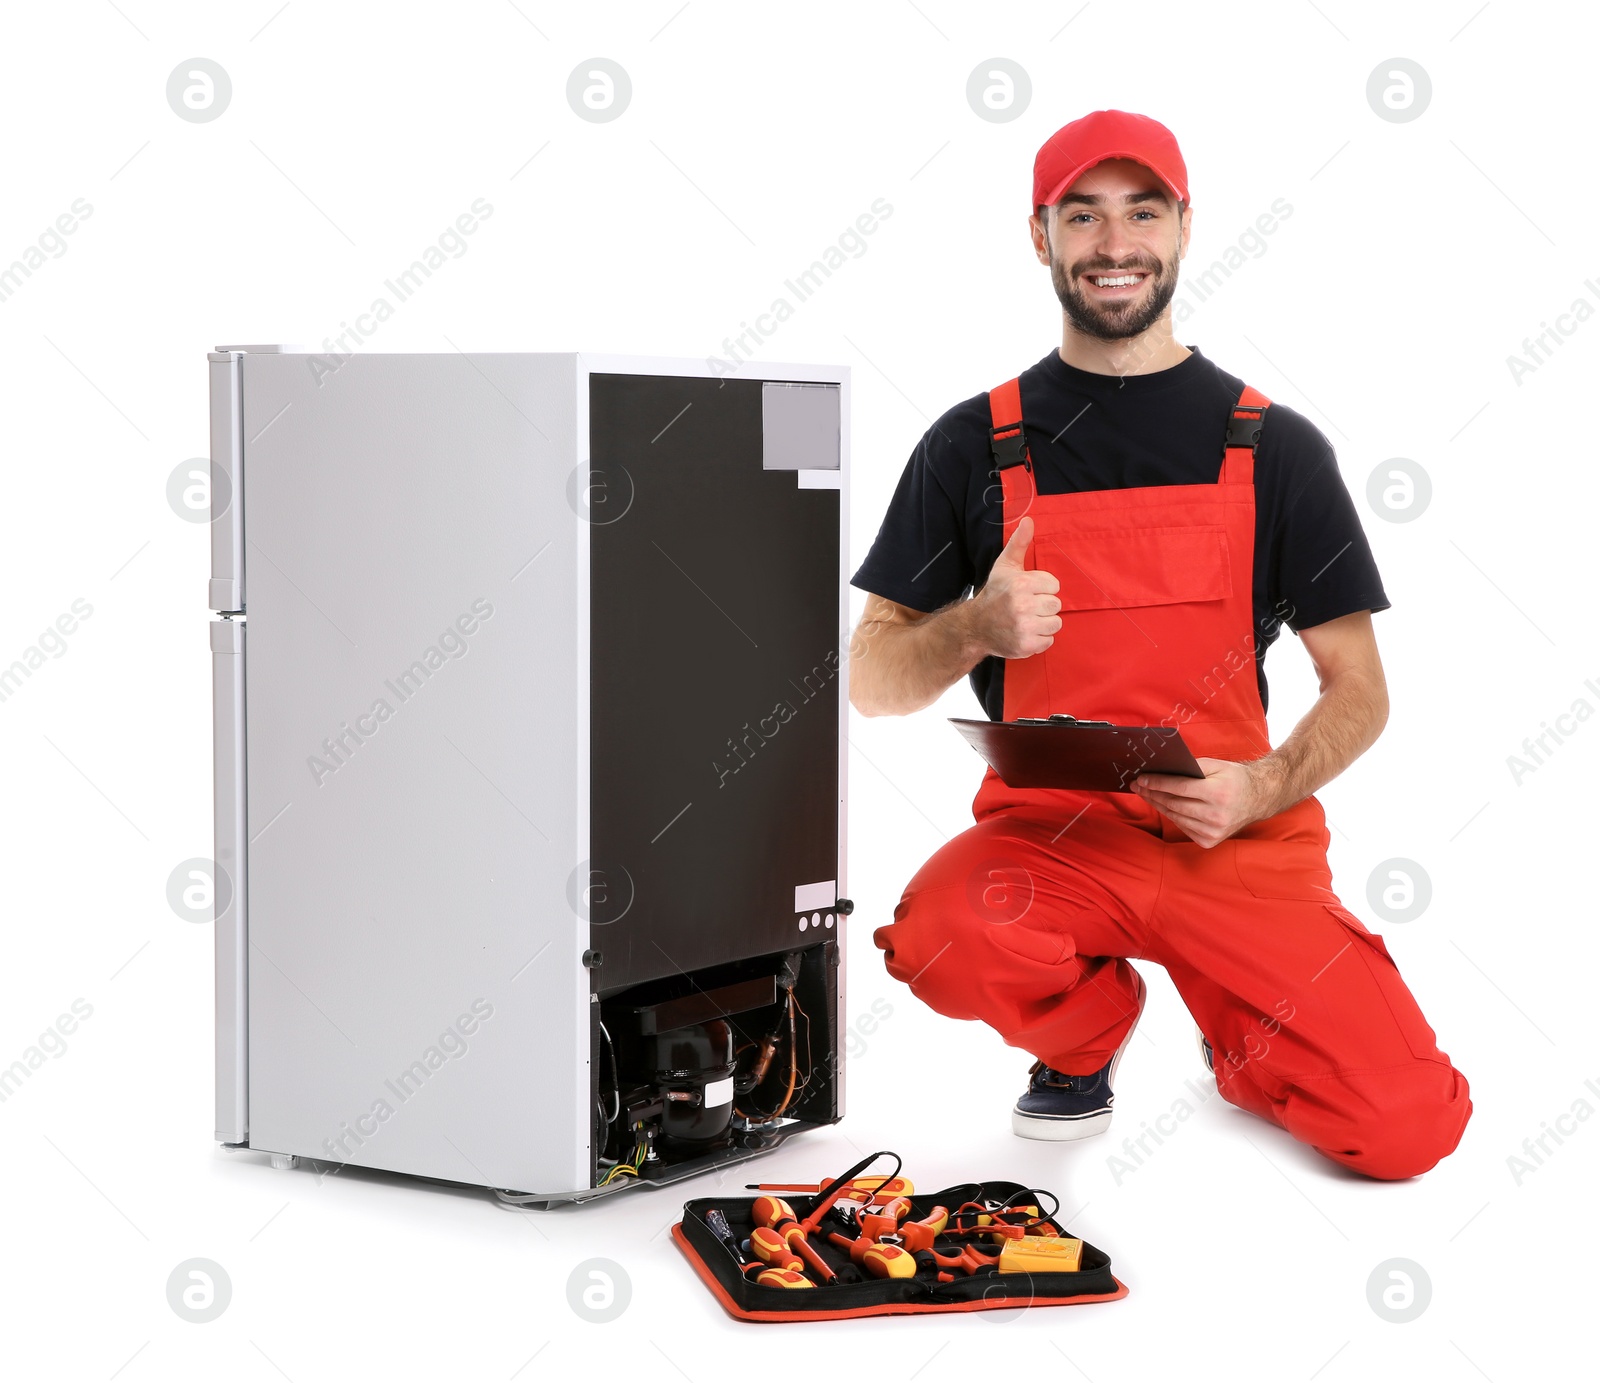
x=530, y=692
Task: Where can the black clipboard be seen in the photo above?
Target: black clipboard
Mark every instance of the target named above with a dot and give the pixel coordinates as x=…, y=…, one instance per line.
x=1065, y=752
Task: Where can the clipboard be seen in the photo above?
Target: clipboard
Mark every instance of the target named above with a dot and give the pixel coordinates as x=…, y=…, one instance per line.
x=1061, y=751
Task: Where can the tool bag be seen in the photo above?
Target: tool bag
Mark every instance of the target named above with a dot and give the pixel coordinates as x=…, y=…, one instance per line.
x=857, y=1293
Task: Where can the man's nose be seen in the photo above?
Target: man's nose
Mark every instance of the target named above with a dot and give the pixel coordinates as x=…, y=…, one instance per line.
x=1115, y=243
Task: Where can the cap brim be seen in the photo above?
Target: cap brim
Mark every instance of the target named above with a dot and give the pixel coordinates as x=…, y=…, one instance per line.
x=1072, y=177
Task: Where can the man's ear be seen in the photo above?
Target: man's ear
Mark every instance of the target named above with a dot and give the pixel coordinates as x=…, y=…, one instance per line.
x=1039, y=228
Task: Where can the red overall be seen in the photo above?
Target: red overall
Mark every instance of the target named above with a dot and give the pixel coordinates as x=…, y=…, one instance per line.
x=1028, y=919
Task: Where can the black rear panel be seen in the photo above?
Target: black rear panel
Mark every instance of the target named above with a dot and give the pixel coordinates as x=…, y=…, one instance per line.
x=715, y=681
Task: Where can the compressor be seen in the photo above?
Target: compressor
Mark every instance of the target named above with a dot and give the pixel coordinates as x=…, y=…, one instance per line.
x=694, y=1069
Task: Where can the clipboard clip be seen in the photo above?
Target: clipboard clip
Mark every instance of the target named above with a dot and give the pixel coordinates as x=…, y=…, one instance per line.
x=1059, y=719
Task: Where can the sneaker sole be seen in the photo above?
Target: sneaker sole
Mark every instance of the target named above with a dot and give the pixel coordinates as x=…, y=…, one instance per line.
x=1049, y=1128
x=1055, y=1129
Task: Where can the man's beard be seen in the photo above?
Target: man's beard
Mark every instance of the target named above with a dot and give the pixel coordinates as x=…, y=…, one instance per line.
x=1114, y=321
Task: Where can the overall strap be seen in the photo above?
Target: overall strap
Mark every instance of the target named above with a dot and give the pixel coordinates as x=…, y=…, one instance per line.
x=1244, y=431
x=1008, y=445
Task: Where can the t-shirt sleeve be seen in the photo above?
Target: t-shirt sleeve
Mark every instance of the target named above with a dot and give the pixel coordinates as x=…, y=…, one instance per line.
x=1323, y=566
x=920, y=557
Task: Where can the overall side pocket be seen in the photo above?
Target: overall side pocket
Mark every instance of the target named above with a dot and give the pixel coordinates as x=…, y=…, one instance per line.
x=1420, y=1038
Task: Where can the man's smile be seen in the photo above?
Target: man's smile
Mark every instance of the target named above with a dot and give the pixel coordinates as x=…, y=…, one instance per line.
x=1123, y=285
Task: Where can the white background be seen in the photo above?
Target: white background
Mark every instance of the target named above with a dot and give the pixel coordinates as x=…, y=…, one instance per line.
x=1417, y=258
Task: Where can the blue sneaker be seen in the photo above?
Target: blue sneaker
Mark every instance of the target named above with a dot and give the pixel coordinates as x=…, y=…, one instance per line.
x=1057, y=1107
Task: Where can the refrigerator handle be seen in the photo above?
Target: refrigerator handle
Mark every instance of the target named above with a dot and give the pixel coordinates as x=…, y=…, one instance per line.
x=227, y=481
x=229, y=887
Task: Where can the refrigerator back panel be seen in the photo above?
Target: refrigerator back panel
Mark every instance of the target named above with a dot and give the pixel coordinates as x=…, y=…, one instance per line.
x=715, y=670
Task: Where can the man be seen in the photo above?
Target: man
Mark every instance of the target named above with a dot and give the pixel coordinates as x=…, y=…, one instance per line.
x=1136, y=524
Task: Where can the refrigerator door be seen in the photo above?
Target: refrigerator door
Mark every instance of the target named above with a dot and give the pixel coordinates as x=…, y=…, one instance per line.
x=229, y=884
x=417, y=997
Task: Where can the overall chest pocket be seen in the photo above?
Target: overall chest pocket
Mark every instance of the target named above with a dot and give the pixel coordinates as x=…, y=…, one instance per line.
x=1137, y=566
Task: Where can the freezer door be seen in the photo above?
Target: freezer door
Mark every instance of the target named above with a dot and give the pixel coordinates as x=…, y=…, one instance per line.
x=417, y=998
x=227, y=507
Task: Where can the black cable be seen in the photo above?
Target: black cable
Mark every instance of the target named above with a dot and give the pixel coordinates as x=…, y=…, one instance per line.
x=860, y=1166
x=1034, y=1193
x=616, y=1084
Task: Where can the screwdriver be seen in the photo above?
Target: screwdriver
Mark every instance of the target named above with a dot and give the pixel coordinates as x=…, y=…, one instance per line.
x=879, y=1186
x=769, y=1273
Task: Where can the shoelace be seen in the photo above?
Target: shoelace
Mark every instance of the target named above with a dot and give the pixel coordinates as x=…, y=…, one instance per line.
x=1080, y=1085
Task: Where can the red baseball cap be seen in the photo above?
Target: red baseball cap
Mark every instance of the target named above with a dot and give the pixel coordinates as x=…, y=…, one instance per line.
x=1098, y=136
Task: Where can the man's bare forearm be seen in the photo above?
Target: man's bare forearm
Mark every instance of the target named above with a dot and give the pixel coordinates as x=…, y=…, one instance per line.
x=898, y=667
x=1341, y=725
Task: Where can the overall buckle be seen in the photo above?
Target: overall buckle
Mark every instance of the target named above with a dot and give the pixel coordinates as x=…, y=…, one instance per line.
x=1244, y=426
x=1008, y=446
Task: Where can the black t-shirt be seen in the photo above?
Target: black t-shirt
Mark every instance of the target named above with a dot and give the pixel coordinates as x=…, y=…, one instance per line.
x=1091, y=431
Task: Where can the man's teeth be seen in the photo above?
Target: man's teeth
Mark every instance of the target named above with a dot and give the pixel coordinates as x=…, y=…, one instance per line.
x=1118, y=282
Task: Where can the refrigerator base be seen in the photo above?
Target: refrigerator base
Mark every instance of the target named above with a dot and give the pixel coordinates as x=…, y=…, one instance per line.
x=666, y=1175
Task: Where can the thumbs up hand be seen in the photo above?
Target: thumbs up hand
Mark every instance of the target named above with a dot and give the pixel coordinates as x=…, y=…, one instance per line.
x=1014, y=615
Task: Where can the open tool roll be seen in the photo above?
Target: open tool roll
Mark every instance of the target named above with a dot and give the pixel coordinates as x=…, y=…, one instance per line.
x=856, y=1246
